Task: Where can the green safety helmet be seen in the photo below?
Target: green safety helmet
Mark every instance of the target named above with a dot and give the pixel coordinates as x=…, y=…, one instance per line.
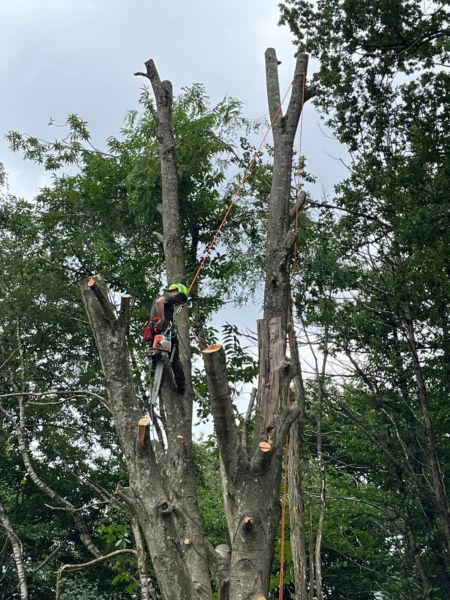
x=179, y=287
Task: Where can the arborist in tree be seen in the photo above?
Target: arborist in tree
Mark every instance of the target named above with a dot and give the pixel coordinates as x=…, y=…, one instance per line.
x=162, y=323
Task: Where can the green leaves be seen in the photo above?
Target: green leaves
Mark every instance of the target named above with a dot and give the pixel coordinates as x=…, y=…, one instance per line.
x=116, y=535
x=242, y=366
x=362, y=48
x=206, y=460
x=372, y=279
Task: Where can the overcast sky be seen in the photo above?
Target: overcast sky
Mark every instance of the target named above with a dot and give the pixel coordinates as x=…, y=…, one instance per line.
x=59, y=57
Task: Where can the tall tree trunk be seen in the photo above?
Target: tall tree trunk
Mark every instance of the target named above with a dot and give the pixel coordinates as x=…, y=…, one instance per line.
x=149, y=493
x=438, y=481
x=254, y=477
x=17, y=553
x=181, y=474
x=295, y=470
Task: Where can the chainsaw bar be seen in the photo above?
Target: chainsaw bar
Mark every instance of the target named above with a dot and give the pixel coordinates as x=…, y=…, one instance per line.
x=157, y=382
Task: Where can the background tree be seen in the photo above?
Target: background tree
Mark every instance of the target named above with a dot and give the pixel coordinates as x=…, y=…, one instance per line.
x=377, y=252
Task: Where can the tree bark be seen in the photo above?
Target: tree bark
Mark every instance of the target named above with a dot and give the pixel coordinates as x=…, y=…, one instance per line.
x=17, y=553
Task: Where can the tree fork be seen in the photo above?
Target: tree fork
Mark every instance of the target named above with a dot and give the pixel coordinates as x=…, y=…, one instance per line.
x=147, y=485
x=254, y=477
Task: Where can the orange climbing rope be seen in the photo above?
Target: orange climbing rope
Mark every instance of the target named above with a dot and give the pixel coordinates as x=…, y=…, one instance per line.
x=293, y=269
x=244, y=178
x=283, y=515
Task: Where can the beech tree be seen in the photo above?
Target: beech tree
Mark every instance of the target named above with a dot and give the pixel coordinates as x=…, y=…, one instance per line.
x=162, y=489
x=52, y=406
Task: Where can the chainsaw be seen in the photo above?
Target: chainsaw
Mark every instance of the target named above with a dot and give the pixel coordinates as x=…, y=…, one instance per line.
x=162, y=345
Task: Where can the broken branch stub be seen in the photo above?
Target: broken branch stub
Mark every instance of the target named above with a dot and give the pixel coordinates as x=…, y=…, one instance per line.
x=265, y=446
x=212, y=348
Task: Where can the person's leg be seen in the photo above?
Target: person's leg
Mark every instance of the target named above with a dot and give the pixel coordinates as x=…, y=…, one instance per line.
x=178, y=373
x=153, y=355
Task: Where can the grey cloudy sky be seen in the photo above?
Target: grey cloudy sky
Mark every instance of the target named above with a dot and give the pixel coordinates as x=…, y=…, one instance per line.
x=78, y=56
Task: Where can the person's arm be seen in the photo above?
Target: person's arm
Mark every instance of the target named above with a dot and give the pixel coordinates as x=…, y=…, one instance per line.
x=160, y=307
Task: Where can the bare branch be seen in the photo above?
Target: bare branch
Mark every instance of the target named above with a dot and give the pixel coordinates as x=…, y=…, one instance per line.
x=81, y=566
x=159, y=236
x=9, y=357
x=273, y=87
x=298, y=94
x=48, y=558
x=73, y=393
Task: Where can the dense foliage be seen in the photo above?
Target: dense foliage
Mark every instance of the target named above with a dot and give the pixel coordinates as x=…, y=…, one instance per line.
x=374, y=286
